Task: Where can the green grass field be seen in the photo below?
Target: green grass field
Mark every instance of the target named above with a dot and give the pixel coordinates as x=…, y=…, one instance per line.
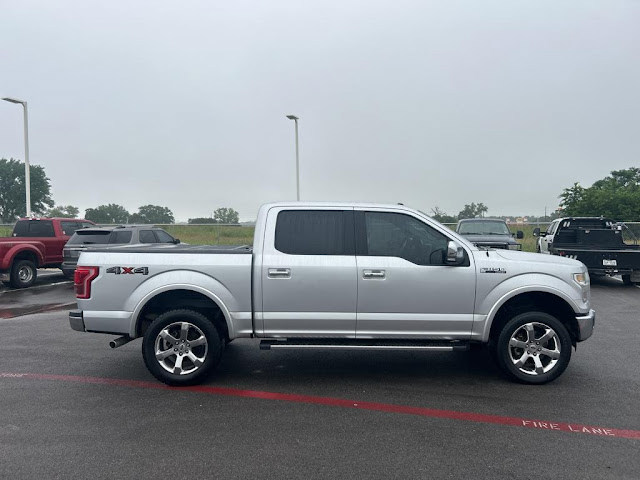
x=225, y=235
x=211, y=234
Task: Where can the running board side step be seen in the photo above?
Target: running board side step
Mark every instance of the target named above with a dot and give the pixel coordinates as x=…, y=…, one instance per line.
x=365, y=344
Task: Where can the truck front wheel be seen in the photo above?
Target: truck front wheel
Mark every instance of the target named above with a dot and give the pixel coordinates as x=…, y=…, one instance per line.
x=23, y=274
x=181, y=347
x=533, y=347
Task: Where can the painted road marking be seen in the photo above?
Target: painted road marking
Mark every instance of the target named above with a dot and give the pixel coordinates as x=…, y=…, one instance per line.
x=344, y=403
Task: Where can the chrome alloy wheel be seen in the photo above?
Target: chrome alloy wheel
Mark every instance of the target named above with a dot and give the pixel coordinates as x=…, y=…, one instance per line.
x=534, y=348
x=25, y=274
x=181, y=348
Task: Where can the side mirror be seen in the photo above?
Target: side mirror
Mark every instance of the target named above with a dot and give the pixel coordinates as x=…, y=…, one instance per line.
x=176, y=241
x=519, y=235
x=455, y=253
x=536, y=232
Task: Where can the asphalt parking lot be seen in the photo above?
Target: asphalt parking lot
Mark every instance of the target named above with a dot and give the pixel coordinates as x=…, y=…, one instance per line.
x=74, y=408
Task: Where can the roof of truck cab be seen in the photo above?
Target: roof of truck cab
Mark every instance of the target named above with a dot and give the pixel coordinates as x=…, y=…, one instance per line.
x=482, y=220
x=60, y=219
x=340, y=205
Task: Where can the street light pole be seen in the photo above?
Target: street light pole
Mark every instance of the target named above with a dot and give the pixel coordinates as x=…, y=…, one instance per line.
x=295, y=119
x=27, y=176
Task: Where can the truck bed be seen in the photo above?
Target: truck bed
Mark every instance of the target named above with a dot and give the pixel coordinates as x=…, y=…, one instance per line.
x=601, y=259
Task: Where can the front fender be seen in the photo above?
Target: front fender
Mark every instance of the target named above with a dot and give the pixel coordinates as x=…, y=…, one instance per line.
x=492, y=300
x=182, y=280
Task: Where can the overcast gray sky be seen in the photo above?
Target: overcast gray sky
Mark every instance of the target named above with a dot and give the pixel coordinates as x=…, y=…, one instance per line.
x=183, y=104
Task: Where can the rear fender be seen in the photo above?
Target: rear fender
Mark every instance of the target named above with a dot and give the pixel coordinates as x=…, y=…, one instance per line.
x=181, y=280
x=11, y=254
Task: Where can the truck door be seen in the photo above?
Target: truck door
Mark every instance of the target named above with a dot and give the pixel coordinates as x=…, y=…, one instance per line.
x=309, y=285
x=548, y=238
x=405, y=289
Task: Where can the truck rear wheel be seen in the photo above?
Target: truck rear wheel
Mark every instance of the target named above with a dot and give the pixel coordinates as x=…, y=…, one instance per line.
x=626, y=279
x=181, y=347
x=23, y=274
x=533, y=347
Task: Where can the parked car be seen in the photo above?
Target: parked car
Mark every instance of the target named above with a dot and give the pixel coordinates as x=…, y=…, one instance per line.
x=336, y=276
x=595, y=241
x=111, y=236
x=35, y=243
x=489, y=232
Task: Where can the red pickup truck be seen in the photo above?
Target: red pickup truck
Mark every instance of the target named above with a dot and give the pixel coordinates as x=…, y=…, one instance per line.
x=35, y=243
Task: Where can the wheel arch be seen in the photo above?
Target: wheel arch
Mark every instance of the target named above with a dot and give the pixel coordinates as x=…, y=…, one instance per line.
x=551, y=302
x=187, y=296
x=22, y=252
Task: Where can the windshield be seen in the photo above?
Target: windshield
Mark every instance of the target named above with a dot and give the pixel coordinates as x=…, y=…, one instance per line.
x=484, y=228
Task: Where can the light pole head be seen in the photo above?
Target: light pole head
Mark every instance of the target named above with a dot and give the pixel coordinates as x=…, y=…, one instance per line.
x=290, y=117
x=13, y=100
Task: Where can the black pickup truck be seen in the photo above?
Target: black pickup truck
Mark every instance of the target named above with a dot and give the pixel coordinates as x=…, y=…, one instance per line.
x=595, y=241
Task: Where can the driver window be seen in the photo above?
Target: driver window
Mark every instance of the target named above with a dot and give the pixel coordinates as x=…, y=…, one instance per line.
x=399, y=235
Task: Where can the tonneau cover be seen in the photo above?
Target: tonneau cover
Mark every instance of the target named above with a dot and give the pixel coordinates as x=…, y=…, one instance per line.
x=177, y=249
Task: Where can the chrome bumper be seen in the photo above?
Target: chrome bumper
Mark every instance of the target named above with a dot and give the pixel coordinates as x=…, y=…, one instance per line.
x=585, y=325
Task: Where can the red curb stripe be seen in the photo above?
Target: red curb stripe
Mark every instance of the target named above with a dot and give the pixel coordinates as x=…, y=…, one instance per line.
x=344, y=403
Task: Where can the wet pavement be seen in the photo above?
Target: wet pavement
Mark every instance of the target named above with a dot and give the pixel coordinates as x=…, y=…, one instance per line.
x=74, y=408
x=51, y=291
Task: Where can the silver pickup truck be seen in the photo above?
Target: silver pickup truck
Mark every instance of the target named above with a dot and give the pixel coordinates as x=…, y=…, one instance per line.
x=340, y=276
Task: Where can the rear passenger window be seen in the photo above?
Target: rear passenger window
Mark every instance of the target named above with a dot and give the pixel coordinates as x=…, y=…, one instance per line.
x=40, y=228
x=147, y=236
x=164, y=237
x=315, y=232
x=120, y=237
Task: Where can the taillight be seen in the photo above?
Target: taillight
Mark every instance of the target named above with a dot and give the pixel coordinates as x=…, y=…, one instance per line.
x=82, y=279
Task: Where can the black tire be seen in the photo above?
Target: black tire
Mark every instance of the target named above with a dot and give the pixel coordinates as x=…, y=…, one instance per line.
x=546, y=368
x=208, y=354
x=23, y=274
x=626, y=279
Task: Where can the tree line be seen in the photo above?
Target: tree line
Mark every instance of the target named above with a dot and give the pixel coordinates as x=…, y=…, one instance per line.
x=12, y=202
x=471, y=210
x=616, y=196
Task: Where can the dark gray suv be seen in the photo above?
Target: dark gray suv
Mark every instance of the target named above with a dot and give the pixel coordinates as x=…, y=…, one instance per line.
x=110, y=236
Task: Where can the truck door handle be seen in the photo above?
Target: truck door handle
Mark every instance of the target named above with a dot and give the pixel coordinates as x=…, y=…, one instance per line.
x=373, y=274
x=279, y=273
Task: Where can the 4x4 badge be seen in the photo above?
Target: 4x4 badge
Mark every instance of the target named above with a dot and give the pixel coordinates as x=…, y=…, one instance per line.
x=128, y=270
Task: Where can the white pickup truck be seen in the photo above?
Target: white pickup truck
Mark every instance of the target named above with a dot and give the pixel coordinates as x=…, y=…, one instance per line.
x=341, y=276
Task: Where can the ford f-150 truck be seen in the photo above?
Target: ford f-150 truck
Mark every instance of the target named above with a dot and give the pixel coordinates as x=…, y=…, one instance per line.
x=35, y=243
x=341, y=276
x=595, y=241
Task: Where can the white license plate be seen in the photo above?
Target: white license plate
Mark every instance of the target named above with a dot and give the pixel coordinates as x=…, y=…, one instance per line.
x=609, y=263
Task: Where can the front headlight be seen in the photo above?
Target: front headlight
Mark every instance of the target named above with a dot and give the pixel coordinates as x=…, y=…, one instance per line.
x=581, y=278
